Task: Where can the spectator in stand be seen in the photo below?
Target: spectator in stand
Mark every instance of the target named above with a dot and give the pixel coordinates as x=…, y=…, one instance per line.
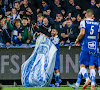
x=39, y=20
x=24, y=32
x=36, y=3
x=28, y=10
x=98, y=5
x=77, y=21
x=57, y=23
x=14, y=15
x=70, y=31
x=19, y=34
x=94, y=8
x=45, y=28
x=2, y=14
x=8, y=11
x=43, y=7
x=73, y=10
x=5, y=32
x=17, y=6
x=56, y=8
x=84, y=5
x=30, y=30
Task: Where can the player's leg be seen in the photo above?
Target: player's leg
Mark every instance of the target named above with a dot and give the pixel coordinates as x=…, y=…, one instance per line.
x=57, y=73
x=84, y=56
x=92, y=63
x=79, y=78
x=77, y=84
x=99, y=64
x=83, y=71
x=57, y=78
x=92, y=76
x=99, y=71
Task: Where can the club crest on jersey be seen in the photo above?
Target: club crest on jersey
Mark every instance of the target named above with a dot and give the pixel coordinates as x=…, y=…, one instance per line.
x=92, y=45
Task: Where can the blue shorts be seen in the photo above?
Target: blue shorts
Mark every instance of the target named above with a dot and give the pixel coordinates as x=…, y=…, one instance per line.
x=57, y=62
x=88, y=58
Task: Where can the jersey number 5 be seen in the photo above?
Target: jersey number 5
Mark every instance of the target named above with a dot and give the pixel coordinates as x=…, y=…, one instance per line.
x=92, y=30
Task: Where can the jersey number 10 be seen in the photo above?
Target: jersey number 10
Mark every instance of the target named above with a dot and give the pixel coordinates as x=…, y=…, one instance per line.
x=92, y=30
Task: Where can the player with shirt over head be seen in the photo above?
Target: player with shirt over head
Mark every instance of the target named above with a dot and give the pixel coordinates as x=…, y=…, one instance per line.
x=88, y=55
x=56, y=41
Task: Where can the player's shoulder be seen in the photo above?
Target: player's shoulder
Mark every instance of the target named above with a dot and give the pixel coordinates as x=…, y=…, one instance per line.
x=96, y=22
x=83, y=22
x=91, y=21
x=56, y=37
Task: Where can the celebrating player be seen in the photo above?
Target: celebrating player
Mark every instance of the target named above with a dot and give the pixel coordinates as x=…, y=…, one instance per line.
x=55, y=39
x=88, y=55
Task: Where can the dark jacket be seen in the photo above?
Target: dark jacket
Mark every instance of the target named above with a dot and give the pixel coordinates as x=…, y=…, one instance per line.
x=71, y=31
x=5, y=33
x=95, y=10
x=56, y=25
x=44, y=29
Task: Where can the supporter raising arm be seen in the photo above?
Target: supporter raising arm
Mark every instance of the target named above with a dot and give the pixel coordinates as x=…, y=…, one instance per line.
x=19, y=35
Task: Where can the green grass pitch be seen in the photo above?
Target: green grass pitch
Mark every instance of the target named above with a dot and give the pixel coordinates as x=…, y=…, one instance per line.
x=45, y=88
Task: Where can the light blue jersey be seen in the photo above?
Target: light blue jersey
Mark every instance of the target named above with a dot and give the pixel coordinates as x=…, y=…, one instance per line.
x=90, y=38
x=56, y=41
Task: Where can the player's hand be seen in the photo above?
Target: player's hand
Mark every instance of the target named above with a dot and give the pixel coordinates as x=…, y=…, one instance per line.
x=77, y=43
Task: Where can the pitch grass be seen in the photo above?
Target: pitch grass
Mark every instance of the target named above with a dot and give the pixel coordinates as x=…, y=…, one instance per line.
x=45, y=88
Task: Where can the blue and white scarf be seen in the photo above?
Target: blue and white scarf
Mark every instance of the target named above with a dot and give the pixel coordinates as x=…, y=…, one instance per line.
x=15, y=34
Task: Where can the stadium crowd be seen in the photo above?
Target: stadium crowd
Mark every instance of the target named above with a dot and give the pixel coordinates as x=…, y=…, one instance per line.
x=22, y=20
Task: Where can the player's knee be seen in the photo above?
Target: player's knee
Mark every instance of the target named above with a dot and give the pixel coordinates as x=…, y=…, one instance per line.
x=82, y=65
x=98, y=68
x=91, y=67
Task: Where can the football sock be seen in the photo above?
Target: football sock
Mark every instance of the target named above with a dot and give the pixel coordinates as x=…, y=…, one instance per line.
x=57, y=77
x=99, y=72
x=84, y=73
x=79, y=78
x=92, y=77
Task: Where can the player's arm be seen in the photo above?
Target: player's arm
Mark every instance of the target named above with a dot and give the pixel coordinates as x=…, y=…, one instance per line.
x=81, y=34
x=98, y=36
